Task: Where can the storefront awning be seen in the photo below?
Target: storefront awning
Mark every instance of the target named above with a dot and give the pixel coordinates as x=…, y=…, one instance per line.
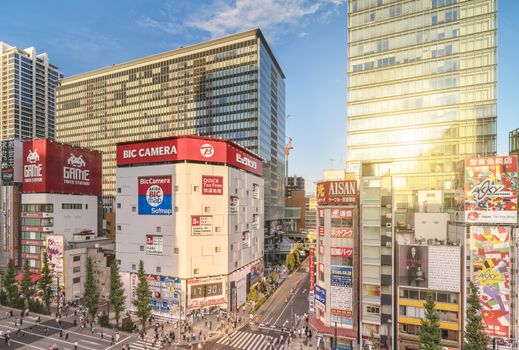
x=341, y=332
x=35, y=277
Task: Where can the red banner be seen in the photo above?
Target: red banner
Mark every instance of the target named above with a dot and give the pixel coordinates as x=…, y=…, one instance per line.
x=341, y=251
x=212, y=185
x=32, y=242
x=337, y=192
x=193, y=148
x=312, y=269
x=60, y=168
x=321, y=230
x=345, y=232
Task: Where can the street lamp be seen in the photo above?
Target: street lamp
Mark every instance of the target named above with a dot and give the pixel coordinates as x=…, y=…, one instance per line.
x=389, y=331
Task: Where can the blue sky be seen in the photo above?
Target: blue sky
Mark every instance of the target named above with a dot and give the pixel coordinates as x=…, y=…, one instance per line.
x=307, y=36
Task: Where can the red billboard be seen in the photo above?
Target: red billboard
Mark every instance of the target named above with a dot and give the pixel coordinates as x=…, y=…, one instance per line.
x=337, y=192
x=212, y=185
x=312, y=271
x=52, y=167
x=188, y=148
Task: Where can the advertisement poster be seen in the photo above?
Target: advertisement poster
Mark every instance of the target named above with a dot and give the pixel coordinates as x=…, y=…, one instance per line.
x=336, y=192
x=413, y=267
x=320, y=297
x=154, y=245
x=165, y=294
x=491, y=264
x=311, y=264
x=54, y=247
x=155, y=195
x=234, y=204
x=490, y=190
x=201, y=225
x=245, y=239
x=341, y=294
x=444, y=268
x=341, y=251
x=345, y=232
x=207, y=291
x=212, y=185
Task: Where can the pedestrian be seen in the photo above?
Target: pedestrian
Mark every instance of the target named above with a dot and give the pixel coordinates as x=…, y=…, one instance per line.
x=61, y=334
x=66, y=335
x=113, y=340
x=102, y=335
x=75, y=345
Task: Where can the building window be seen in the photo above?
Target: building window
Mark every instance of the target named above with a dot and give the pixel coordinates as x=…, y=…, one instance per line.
x=158, y=269
x=175, y=250
x=142, y=248
x=196, y=271
x=134, y=267
x=76, y=258
x=76, y=280
x=207, y=209
x=134, y=209
x=76, y=269
x=218, y=249
x=217, y=229
x=86, y=206
x=119, y=205
x=71, y=206
x=118, y=227
x=196, y=188
x=118, y=190
x=158, y=229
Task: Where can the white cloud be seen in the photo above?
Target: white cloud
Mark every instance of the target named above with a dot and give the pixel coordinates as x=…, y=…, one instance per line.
x=166, y=26
x=223, y=18
x=303, y=34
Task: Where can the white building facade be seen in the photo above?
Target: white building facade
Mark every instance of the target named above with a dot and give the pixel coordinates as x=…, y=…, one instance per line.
x=191, y=209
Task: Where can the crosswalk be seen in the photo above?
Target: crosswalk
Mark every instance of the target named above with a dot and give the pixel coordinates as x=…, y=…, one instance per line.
x=247, y=341
x=147, y=344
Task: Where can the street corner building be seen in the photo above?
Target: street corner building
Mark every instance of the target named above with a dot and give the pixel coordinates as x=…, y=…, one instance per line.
x=333, y=291
x=192, y=209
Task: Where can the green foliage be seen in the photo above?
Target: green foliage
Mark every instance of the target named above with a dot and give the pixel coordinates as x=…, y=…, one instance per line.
x=91, y=294
x=253, y=295
x=127, y=325
x=290, y=262
x=36, y=306
x=104, y=321
x=475, y=338
x=263, y=286
x=297, y=257
x=117, y=297
x=3, y=297
x=273, y=277
x=45, y=282
x=142, y=298
x=26, y=284
x=18, y=302
x=10, y=284
x=374, y=341
x=429, y=332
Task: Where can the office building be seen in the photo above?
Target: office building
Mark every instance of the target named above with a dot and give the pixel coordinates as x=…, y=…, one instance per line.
x=514, y=142
x=191, y=208
x=230, y=88
x=294, y=183
x=422, y=90
x=28, y=84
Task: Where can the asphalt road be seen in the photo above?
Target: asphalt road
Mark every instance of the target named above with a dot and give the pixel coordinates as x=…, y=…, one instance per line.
x=273, y=319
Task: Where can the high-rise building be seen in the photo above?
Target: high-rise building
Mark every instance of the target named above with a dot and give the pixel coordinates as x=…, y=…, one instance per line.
x=422, y=90
x=27, y=94
x=230, y=88
x=514, y=142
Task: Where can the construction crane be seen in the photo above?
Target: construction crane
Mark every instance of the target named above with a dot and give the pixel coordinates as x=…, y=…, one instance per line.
x=288, y=148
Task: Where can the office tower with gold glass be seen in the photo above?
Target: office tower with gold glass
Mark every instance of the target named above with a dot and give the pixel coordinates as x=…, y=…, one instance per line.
x=421, y=96
x=230, y=88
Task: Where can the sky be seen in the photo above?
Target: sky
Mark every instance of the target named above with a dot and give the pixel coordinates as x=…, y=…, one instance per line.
x=308, y=38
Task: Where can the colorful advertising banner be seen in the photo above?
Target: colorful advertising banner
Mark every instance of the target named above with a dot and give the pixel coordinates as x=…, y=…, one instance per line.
x=312, y=268
x=54, y=246
x=165, y=294
x=155, y=194
x=341, y=251
x=341, y=295
x=212, y=185
x=488, y=190
x=413, y=265
x=320, y=297
x=201, y=225
x=491, y=266
x=154, y=245
x=336, y=192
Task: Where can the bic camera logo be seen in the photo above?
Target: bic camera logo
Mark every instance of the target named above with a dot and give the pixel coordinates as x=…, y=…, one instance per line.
x=207, y=150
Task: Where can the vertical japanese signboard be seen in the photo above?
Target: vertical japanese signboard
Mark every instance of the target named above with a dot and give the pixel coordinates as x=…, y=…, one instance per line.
x=312, y=271
x=491, y=266
x=341, y=295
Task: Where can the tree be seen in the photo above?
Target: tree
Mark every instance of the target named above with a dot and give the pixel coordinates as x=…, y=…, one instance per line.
x=475, y=338
x=26, y=284
x=429, y=332
x=142, y=298
x=273, y=277
x=117, y=298
x=45, y=282
x=10, y=283
x=91, y=293
x=374, y=341
x=290, y=261
x=253, y=295
x=297, y=257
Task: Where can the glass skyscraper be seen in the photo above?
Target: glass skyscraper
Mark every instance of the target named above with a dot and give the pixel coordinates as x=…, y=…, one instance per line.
x=421, y=89
x=230, y=88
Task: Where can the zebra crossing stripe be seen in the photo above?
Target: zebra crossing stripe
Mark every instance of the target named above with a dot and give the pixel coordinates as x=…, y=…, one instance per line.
x=257, y=342
x=244, y=340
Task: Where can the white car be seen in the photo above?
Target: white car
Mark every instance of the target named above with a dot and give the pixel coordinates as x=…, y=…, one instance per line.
x=76, y=161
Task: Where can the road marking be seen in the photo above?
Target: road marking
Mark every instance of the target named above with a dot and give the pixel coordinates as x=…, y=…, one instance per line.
x=90, y=342
x=24, y=344
x=75, y=332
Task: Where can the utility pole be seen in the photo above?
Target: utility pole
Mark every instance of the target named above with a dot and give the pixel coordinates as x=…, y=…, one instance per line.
x=335, y=336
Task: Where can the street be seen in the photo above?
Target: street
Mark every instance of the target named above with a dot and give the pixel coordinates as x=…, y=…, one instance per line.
x=271, y=322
